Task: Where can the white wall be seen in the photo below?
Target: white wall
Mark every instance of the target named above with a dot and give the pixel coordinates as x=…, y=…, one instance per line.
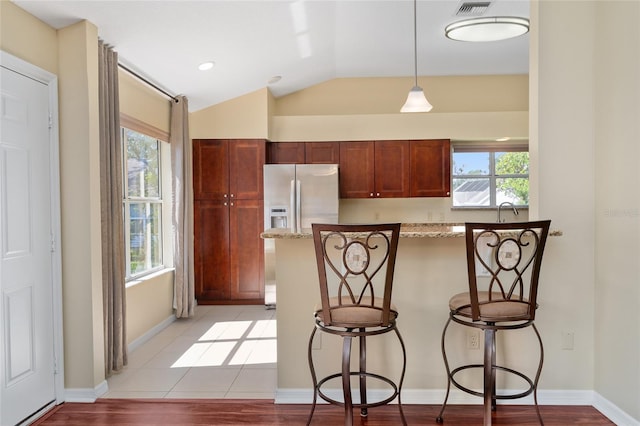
x=617, y=207
x=80, y=204
x=563, y=151
x=585, y=119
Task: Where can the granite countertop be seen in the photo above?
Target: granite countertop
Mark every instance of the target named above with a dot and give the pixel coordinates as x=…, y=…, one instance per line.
x=407, y=230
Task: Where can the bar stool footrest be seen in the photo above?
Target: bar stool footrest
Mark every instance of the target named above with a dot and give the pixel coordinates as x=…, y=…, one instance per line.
x=361, y=406
x=496, y=367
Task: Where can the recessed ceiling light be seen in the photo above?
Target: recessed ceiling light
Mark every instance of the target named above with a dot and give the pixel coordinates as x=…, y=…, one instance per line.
x=206, y=66
x=275, y=79
x=487, y=29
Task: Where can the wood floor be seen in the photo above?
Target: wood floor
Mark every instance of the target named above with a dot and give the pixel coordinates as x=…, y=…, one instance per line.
x=265, y=412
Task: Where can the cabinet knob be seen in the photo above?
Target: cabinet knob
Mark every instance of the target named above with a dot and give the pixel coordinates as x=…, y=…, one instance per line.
x=371, y=195
x=377, y=194
x=225, y=195
x=232, y=204
x=225, y=203
x=231, y=195
x=448, y=193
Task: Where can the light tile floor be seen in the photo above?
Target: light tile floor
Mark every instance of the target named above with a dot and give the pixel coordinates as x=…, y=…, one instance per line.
x=222, y=352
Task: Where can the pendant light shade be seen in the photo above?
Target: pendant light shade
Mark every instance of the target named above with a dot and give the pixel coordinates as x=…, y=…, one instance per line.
x=416, y=101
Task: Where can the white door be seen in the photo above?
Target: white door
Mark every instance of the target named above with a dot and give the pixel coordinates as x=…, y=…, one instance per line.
x=27, y=382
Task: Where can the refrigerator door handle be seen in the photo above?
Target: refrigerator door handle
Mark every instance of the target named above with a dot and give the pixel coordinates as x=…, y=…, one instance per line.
x=292, y=205
x=298, y=207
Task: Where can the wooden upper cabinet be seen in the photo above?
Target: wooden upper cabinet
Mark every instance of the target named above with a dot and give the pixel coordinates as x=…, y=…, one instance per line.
x=377, y=169
x=227, y=169
x=210, y=169
x=322, y=152
x=303, y=152
x=392, y=169
x=374, y=169
x=246, y=161
x=357, y=169
x=286, y=152
x=431, y=168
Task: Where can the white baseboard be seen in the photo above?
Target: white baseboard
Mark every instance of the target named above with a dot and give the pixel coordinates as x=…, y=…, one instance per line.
x=612, y=412
x=85, y=394
x=457, y=397
x=436, y=396
x=150, y=333
x=90, y=395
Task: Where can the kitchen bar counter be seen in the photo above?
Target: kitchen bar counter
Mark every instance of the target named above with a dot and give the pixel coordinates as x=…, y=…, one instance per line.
x=430, y=268
x=407, y=230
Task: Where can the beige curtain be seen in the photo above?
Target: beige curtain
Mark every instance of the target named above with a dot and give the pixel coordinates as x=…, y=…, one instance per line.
x=184, y=301
x=113, y=268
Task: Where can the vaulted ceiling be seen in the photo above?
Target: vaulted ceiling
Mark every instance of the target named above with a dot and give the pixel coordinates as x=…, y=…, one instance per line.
x=304, y=42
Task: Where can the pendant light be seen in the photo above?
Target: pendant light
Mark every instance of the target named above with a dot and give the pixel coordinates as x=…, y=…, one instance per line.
x=416, y=101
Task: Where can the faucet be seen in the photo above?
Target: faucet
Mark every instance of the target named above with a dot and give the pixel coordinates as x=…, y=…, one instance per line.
x=515, y=211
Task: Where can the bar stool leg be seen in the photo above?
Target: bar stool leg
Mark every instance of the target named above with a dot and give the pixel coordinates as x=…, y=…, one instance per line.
x=346, y=381
x=401, y=381
x=313, y=375
x=440, y=419
x=363, y=379
x=489, y=375
x=535, y=384
x=493, y=371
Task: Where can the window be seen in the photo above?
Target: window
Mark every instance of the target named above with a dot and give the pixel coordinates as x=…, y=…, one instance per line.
x=486, y=176
x=142, y=202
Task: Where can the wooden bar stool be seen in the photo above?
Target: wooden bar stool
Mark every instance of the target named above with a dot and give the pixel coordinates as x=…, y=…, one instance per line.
x=503, y=263
x=355, y=269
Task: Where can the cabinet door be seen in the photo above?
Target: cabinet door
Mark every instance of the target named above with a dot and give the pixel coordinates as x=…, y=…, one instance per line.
x=211, y=250
x=286, y=152
x=247, y=250
x=322, y=153
x=356, y=169
x=392, y=169
x=246, y=161
x=210, y=169
x=431, y=168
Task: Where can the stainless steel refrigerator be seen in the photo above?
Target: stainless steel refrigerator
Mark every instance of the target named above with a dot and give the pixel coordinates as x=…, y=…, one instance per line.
x=295, y=196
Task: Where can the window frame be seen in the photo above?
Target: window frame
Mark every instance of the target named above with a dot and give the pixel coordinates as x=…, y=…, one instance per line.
x=491, y=148
x=135, y=125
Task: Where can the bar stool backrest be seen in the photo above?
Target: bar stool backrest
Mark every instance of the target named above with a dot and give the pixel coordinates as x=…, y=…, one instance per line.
x=355, y=269
x=503, y=261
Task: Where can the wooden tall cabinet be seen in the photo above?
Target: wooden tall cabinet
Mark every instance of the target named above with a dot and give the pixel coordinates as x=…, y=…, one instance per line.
x=228, y=220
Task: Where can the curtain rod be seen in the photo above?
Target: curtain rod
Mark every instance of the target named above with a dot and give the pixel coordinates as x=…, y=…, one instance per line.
x=139, y=77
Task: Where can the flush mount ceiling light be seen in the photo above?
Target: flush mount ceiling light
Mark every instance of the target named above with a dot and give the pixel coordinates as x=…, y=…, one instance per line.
x=487, y=29
x=416, y=101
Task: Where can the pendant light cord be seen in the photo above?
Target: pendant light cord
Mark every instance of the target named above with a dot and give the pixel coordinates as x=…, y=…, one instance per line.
x=415, y=43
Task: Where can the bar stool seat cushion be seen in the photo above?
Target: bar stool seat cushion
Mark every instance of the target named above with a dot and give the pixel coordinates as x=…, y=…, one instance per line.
x=494, y=310
x=362, y=315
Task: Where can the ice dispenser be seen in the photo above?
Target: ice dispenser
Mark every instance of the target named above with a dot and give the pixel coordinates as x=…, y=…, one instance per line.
x=278, y=216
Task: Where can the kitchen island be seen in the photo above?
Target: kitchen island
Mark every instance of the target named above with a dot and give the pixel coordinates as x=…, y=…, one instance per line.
x=430, y=268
